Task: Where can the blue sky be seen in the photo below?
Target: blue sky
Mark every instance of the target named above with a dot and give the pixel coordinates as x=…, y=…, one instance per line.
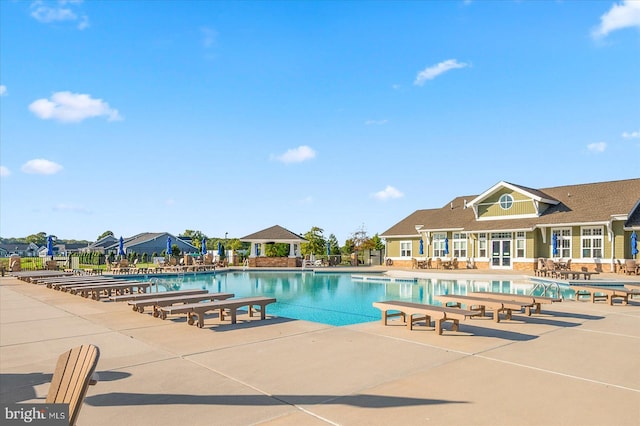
x=140, y=116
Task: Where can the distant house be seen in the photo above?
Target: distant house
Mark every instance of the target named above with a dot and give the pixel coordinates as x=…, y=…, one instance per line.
x=21, y=249
x=100, y=245
x=510, y=226
x=149, y=243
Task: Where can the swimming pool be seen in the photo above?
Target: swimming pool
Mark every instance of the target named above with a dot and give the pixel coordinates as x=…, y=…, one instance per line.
x=332, y=298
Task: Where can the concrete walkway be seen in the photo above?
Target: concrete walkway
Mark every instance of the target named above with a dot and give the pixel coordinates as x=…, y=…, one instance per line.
x=577, y=363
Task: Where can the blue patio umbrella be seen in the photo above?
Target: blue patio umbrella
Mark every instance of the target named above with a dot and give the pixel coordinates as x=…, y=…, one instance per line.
x=554, y=244
x=49, y=245
x=421, y=246
x=203, y=250
x=634, y=243
x=446, y=246
x=168, y=246
x=328, y=248
x=219, y=248
x=121, y=247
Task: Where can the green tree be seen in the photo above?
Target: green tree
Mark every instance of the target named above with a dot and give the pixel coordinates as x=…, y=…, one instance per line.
x=334, y=246
x=105, y=234
x=39, y=239
x=316, y=244
x=196, y=237
x=376, y=242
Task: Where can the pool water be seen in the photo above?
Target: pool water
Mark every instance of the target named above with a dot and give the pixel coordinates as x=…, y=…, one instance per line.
x=331, y=298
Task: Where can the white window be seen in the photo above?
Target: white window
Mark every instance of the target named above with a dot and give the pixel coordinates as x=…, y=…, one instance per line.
x=521, y=244
x=439, y=244
x=405, y=248
x=564, y=242
x=506, y=201
x=592, y=242
x=482, y=245
x=460, y=245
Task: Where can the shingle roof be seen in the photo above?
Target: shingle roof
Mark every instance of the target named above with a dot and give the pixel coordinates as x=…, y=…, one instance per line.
x=585, y=203
x=274, y=234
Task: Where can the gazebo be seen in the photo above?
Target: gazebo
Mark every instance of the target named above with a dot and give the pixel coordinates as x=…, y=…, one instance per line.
x=274, y=234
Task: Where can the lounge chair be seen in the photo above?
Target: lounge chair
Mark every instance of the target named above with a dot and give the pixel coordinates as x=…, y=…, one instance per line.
x=602, y=293
x=106, y=289
x=536, y=301
x=438, y=263
x=143, y=296
x=196, y=311
x=72, y=377
x=439, y=314
x=483, y=304
x=158, y=302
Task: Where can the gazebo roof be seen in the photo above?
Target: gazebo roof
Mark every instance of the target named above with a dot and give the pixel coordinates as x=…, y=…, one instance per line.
x=274, y=234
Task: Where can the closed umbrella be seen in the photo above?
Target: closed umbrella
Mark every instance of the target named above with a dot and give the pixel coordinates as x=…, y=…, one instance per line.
x=328, y=249
x=203, y=250
x=421, y=247
x=634, y=244
x=446, y=246
x=219, y=248
x=49, y=245
x=554, y=241
x=168, y=246
x=121, y=247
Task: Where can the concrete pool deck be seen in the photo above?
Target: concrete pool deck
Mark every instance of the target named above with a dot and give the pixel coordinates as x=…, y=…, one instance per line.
x=578, y=363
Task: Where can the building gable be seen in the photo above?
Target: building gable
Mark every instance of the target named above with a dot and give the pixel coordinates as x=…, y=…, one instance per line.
x=508, y=201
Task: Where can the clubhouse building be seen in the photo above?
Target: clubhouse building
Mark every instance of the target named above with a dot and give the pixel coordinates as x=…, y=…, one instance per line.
x=510, y=226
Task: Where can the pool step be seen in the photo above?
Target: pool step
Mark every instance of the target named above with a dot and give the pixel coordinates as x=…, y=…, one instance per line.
x=380, y=278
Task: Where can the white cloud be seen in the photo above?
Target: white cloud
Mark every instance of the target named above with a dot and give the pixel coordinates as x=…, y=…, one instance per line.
x=388, y=193
x=376, y=122
x=209, y=37
x=430, y=73
x=631, y=135
x=41, y=166
x=307, y=200
x=4, y=172
x=620, y=16
x=72, y=108
x=597, y=146
x=60, y=11
x=70, y=208
x=296, y=155
x=3, y=90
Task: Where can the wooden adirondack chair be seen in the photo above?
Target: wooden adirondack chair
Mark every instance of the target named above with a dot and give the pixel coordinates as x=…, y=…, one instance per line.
x=73, y=375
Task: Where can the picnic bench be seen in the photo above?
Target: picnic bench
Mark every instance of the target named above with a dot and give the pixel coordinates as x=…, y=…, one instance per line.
x=439, y=314
x=158, y=302
x=196, y=311
x=602, y=293
x=482, y=304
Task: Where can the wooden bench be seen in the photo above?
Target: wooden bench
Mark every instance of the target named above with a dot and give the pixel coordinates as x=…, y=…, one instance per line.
x=536, y=301
x=607, y=293
x=96, y=291
x=72, y=377
x=196, y=311
x=143, y=296
x=157, y=303
x=483, y=304
x=439, y=314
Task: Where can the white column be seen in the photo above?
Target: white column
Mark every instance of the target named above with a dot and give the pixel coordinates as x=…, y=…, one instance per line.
x=292, y=251
x=263, y=249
